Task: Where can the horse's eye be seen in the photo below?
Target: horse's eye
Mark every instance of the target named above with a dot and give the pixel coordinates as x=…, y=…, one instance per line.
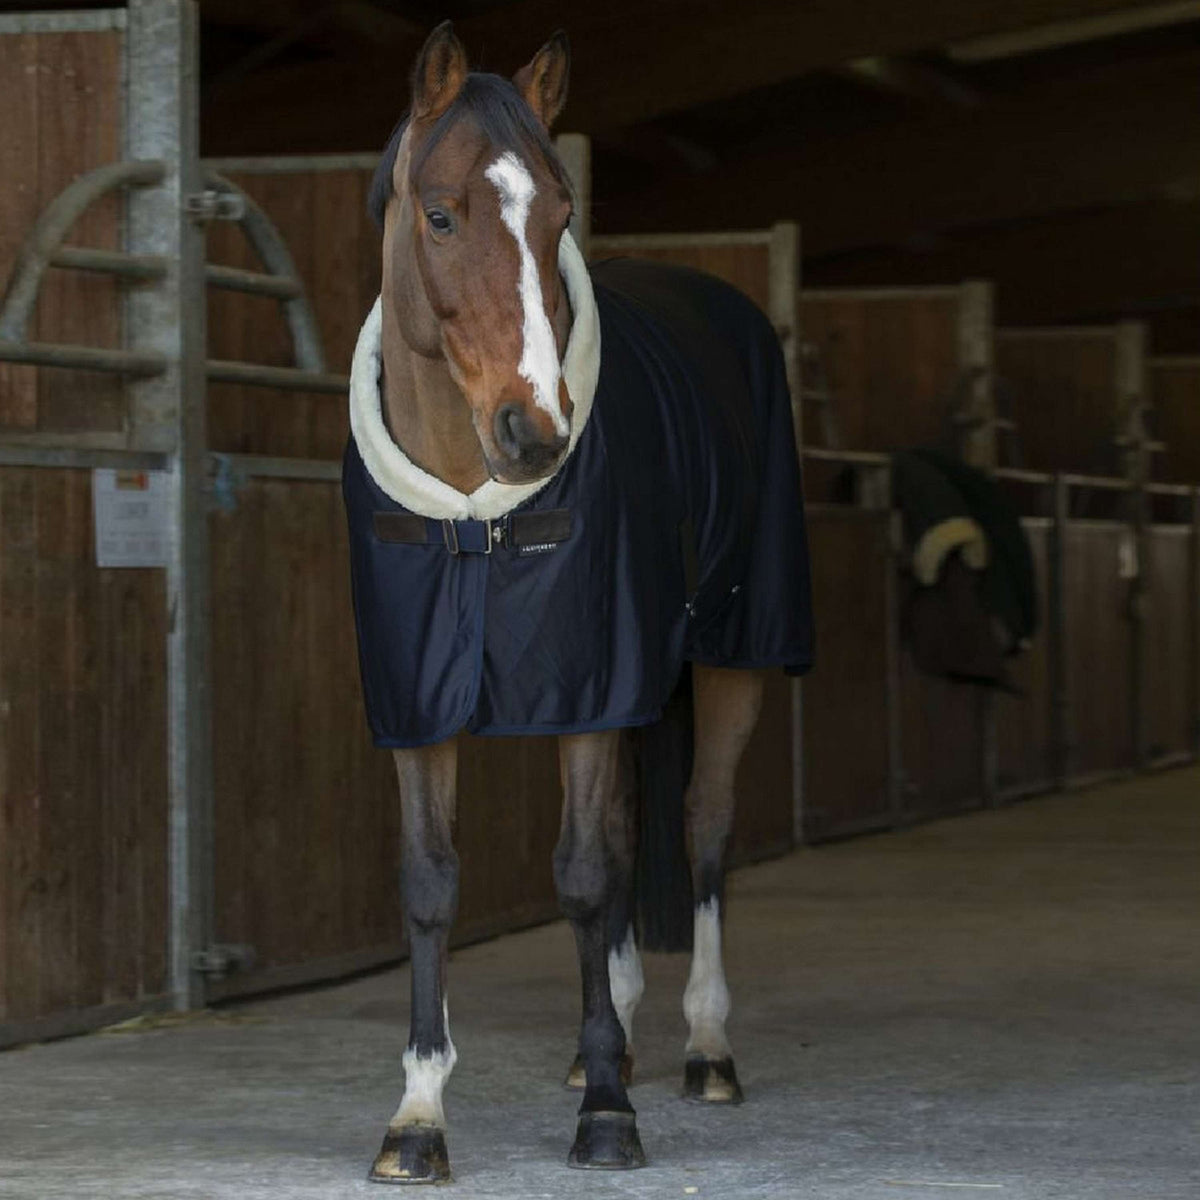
x=438, y=221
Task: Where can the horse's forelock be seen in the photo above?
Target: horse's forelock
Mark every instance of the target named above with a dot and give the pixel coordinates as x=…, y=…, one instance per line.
x=503, y=118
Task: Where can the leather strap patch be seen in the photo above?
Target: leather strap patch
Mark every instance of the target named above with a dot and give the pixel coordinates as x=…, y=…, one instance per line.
x=400, y=527
x=536, y=529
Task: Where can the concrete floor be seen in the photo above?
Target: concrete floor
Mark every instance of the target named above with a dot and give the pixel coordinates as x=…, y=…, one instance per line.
x=1004, y=1004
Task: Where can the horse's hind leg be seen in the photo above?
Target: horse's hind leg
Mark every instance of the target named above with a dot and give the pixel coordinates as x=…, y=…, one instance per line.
x=626, y=983
x=727, y=704
x=414, y=1149
x=586, y=877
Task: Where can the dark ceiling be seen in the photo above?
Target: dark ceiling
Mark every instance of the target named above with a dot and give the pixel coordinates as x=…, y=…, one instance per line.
x=1052, y=145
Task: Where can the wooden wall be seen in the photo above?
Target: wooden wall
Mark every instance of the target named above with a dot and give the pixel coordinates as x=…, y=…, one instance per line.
x=83, y=786
x=1098, y=650
x=322, y=215
x=1174, y=390
x=1024, y=718
x=68, y=122
x=1170, y=679
x=1063, y=390
x=891, y=360
x=847, y=761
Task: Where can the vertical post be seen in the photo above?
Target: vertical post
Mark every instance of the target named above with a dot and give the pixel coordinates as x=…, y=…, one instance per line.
x=168, y=414
x=575, y=150
x=783, y=292
x=1130, y=383
x=977, y=447
x=784, y=295
x=1193, y=586
x=976, y=364
x=894, y=539
x=1056, y=626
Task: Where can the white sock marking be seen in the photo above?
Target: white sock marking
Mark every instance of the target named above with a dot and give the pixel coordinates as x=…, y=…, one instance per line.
x=424, y=1079
x=539, y=365
x=706, y=997
x=625, y=982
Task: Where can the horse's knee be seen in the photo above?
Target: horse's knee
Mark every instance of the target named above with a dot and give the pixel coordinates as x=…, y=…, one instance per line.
x=583, y=882
x=431, y=888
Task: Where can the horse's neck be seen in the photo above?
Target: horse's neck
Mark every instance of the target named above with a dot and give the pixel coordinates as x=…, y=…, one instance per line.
x=427, y=415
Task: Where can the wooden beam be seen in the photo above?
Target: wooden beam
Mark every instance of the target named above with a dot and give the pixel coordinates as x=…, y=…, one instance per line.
x=632, y=61
x=1116, y=134
x=1138, y=261
x=1071, y=33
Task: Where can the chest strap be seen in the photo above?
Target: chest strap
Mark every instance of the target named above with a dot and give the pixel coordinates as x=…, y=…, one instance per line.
x=516, y=531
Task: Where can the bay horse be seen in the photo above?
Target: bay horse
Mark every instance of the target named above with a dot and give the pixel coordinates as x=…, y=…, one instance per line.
x=568, y=490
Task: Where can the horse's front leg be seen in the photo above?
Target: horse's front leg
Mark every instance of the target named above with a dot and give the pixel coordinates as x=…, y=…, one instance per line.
x=414, y=1149
x=625, y=979
x=586, y=875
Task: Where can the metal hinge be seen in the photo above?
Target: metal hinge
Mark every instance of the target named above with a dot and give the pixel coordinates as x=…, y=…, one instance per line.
x=222, y=959
x=214, y=206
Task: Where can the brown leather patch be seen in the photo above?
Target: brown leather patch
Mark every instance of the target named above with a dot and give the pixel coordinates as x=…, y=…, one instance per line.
x=400, y=527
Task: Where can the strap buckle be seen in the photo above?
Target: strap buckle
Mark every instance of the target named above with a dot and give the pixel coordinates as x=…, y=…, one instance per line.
x=493, y=535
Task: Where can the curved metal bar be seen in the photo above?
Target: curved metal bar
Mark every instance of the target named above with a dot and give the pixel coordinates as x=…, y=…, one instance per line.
x=272, y=250
x=288, y=378
x=53, y=225
x=83, y=358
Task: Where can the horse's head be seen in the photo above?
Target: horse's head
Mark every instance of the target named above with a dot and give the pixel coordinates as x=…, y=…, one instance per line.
x=478, y=205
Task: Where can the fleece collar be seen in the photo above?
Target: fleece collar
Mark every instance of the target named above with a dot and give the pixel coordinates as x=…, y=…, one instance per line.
x=418, y=491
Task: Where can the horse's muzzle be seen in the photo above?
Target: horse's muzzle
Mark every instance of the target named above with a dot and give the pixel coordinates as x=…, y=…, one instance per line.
x=526, y=454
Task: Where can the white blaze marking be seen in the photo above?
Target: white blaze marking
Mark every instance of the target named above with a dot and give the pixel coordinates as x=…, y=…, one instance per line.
x=706, y=997
x=625, y=982
x=424, y=1079
x=539, y=365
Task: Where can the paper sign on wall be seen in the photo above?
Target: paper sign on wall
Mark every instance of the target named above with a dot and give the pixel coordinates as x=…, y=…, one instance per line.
x=131, y=510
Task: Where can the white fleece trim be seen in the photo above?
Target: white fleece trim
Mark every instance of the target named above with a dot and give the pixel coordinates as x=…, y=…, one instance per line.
x=939, y=541
x=418, y=491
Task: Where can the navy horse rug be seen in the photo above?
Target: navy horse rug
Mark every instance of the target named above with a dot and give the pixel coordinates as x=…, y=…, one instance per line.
x=673, y=531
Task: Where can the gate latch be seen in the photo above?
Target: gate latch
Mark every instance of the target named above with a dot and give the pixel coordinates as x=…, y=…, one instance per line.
x=211, y=205
x=222, y=959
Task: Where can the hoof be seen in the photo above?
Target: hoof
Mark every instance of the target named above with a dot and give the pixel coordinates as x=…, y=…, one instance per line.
x=607, y=1141
x=576, y=1078
x=711, y=1081
x=414, y=1154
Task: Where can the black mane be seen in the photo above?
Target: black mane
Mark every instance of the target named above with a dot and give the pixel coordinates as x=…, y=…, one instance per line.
x=502, y=116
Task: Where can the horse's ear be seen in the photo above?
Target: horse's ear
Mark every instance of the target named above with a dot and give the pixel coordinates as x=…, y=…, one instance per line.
x=439, y=74
x=543, y=80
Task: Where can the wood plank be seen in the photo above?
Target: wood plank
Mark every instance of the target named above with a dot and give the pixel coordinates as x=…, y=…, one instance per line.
x=19, y=203
x=1023, y=721
x=19, y=662
x=891, y=363
x=1063, y=393
x=307, y=838
x=845, y=697
x=1098, y=649
x=80, y=108
x=940, y=737
x=1175, y=393
x=1167, y=688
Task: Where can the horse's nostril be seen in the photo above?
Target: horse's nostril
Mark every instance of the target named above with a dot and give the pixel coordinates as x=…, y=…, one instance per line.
x=509, y=423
